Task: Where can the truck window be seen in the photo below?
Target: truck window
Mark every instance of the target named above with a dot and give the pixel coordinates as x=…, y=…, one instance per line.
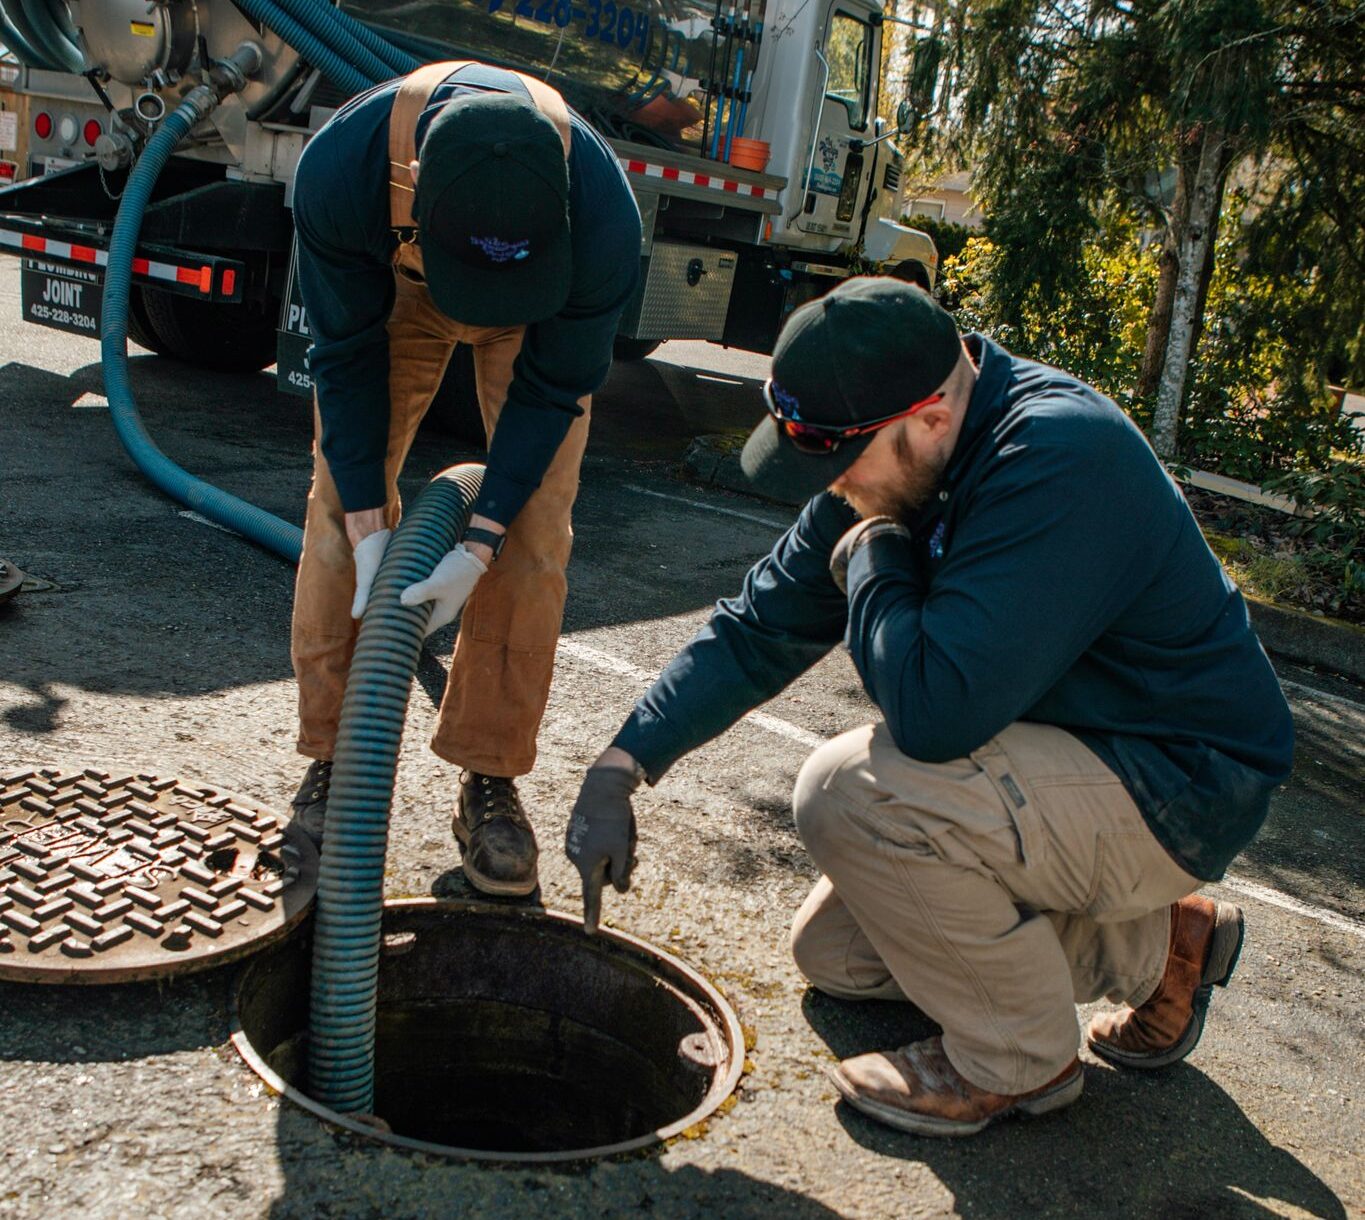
x=850, y=66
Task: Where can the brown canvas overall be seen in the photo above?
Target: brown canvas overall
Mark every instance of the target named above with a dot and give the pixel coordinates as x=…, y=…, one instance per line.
x=504, y=657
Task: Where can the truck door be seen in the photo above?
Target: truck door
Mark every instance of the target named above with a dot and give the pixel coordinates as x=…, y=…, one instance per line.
x=835, y=175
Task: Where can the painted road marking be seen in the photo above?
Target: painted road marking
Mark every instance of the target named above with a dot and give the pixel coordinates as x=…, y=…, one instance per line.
x=202, y=520
x=1321, y=696
x=607, y=662
x=781, y=526
x=1274, y=898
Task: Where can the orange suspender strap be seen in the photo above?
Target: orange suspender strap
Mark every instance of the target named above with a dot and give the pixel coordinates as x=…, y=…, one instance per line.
x=408, y=104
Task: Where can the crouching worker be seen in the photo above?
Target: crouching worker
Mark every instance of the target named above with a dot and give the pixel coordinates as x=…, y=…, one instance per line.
x=461, y=204
x=1078, y=725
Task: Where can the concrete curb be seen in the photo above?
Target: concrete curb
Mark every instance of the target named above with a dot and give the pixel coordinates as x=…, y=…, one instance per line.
x=1295, y=635
x=1309, y=639
x=713, y=461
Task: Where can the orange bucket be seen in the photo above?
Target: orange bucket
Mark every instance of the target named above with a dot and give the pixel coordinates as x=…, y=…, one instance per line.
x=749, y=154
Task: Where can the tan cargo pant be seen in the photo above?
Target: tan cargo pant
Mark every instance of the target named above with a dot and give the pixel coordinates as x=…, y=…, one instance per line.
x=504, y=656
x=994, y=892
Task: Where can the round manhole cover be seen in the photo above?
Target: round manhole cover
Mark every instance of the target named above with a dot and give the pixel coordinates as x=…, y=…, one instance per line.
x=106, y=877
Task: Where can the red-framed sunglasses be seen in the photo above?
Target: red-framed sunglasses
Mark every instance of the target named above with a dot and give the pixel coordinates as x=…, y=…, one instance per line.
x=826, y=438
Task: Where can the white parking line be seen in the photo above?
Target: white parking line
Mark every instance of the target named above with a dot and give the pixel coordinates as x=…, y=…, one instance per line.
x=710, y=508
x=607, y=662
x=1321, y=696
x=200, y=519
x=616, y=665
x=1274, y=898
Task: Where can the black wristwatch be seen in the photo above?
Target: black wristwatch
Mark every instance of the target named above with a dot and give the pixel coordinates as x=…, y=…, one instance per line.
x=485, y=538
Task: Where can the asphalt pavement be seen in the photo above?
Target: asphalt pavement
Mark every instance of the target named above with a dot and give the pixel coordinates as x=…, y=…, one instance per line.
x=155, y=641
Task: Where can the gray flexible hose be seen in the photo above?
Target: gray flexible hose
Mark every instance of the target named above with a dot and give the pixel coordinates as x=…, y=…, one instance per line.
x=351, y=879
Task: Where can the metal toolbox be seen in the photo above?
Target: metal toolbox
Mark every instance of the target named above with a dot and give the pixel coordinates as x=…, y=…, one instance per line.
x=686, y=293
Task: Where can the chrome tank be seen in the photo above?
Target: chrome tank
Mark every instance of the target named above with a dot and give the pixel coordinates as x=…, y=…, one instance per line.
x=141, y=44
x=635, y=68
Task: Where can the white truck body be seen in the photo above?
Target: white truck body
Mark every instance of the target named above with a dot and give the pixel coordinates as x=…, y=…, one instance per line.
x=727, y=253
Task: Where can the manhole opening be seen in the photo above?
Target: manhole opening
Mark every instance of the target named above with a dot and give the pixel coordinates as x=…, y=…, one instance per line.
x=509, y=1035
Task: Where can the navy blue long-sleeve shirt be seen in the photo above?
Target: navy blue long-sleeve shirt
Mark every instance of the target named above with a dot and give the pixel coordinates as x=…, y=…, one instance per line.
x=345, y=270
x=1058, y=576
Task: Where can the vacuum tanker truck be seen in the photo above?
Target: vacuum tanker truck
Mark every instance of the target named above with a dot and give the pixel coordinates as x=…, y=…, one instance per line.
x=748, y=129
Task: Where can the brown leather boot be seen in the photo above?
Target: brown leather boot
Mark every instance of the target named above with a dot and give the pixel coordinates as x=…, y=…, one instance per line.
x=1206, y=939
x=916, y=1089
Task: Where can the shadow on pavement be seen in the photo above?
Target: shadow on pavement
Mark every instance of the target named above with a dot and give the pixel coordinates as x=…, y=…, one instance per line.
x=1168, y=1145
x=336, y=1175
x=101, y=1023
x=143, y=599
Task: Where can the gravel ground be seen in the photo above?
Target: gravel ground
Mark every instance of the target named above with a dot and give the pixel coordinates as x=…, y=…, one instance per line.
x=156, y=642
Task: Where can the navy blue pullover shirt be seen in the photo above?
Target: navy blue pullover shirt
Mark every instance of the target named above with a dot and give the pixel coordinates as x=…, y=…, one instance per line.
x=345, y=270
x=1057, y=576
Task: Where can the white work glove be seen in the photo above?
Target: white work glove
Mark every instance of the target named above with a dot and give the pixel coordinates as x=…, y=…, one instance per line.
x=369, y=551
x=449, y=586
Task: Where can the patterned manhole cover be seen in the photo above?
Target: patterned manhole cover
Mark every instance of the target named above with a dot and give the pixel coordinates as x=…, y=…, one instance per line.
x=110, y=876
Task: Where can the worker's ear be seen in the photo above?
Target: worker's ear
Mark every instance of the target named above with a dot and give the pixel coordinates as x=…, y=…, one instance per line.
x=412, y=169
x=936, y=420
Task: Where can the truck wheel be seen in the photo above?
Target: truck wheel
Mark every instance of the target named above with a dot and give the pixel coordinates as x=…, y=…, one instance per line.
x=140, y=327
x=455, y=409
x=634, y=349
x=913, y=272
x=212, y=334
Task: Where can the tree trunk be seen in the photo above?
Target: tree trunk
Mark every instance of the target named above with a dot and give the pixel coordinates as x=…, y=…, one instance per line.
x=1194, y=247
x=1159, y=320
x=1206, y=272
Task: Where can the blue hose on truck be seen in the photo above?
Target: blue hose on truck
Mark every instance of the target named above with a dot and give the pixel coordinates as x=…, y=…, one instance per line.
x=351, y=878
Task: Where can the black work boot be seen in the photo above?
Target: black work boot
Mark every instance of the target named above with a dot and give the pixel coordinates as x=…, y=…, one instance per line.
x=310, y=802
x=495, y=836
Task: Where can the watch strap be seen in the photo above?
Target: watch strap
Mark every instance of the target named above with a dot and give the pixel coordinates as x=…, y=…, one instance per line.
x=489, y=538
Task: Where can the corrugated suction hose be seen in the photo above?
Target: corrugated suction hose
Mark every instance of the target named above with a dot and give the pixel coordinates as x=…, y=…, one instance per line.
x=346, y=935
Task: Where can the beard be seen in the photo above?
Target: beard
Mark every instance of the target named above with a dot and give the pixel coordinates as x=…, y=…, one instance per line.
x=903, y=499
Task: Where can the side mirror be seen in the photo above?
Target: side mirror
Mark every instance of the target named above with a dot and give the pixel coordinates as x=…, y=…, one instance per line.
x=904, y=115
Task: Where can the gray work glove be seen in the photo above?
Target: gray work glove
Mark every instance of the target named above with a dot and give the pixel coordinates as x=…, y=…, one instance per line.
x=369, y=553
x=601, y=836
x=858, y=536
x=449, y=586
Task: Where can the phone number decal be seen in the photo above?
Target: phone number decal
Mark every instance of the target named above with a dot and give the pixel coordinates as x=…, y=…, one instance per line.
x=605, y=21
x=64, y=317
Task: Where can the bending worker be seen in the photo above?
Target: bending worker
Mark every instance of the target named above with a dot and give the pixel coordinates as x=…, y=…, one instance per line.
x=461, y=204
x=1078, y=723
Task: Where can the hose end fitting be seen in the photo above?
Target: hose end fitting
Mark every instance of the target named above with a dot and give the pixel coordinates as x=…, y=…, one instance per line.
x=230, y=75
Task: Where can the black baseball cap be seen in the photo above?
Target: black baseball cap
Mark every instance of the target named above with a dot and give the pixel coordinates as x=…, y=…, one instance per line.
x=492, y=211
x=870, y=349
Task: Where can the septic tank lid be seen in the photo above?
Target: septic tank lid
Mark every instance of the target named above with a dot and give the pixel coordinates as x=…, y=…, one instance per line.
x=115, y=876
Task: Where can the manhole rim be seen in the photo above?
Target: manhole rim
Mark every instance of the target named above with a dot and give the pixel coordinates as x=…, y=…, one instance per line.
x=722, y=1012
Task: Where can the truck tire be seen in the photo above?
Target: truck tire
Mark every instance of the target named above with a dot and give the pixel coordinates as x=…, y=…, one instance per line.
x=140, y=327
x=212, y=334
x=455, y=409
x=913, y=272
x=634, y=349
